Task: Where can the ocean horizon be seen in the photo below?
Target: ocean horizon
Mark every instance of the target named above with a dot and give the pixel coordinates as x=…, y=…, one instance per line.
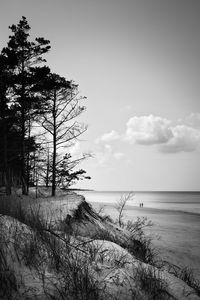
x=185, y=201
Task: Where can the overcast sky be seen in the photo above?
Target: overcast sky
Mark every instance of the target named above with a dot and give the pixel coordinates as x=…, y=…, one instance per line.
x=138, y=63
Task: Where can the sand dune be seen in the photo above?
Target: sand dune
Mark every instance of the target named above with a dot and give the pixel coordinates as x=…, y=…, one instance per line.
x=178, y=233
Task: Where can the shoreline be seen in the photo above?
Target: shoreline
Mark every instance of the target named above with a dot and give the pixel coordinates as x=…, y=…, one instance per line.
x=173, y=201
x=151, y=210
x=175, y=234
x=162, y=210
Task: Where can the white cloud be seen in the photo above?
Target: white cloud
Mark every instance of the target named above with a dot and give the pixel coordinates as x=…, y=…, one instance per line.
x=103, y=155
x=170, y=137
x=118, y=155
x=185, y=139
x=154, y=130
x=148, y=130
x=106, y=154
x=193, y=120
x=108, y=137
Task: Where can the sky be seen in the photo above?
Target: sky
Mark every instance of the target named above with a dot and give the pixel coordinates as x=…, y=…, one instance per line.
x=138, y=64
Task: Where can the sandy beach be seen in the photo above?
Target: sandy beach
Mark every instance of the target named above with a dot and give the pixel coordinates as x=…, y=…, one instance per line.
x=111, y=260
x=175, y=234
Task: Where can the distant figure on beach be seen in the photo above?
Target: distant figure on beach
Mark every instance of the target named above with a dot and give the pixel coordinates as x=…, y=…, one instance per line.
x=142, y=204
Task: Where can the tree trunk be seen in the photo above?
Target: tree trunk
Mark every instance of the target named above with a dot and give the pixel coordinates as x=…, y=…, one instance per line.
x=23, y=165
x=28, y=157
x=54, y=148
x=47, y=172
x=6, y=174
x=6, y=168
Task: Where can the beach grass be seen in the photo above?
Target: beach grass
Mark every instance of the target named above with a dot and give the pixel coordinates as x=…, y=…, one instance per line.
x=73, y=244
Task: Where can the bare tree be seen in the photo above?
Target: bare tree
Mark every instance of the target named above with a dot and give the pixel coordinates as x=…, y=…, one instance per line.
x=60, y=119
x=120, y=206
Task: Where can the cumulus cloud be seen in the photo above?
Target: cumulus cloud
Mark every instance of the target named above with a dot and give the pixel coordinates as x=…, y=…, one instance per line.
x=106, y=154
x=148, y=130
x=192, y=120
x=118, y=155
x=184, y=139
x=103, y=155
x=108, y=137
x=170, y=138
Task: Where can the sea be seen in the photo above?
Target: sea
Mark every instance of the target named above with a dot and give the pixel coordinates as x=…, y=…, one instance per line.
x=179, y=201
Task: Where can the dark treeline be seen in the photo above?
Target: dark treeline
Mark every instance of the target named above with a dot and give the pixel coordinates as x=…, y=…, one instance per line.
x=33, y=98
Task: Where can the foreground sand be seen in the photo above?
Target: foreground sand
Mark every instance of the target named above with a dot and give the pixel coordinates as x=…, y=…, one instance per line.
x=43, y=253
x=175, y=234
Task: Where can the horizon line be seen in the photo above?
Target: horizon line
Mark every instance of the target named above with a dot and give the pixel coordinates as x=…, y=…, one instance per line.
x=139, y=191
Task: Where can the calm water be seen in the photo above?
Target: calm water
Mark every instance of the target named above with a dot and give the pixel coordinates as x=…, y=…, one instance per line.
x=181, y=201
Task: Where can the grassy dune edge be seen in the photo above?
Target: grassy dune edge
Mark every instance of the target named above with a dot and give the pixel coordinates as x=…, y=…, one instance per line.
x=53, y=252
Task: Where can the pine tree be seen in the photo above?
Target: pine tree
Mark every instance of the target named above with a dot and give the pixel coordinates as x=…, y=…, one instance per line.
x=60, y=120
x=4, y=112
x=66, y=175
x=25, y=55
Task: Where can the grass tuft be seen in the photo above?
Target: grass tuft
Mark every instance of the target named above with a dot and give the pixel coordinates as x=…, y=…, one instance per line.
x=152, y=284
x=8, y=280
x=186, y=274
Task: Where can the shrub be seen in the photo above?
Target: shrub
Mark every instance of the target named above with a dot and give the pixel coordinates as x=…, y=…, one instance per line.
x=12, y=206
x=186, y=274
x=74, y=278
x=8, y=281
x=151, y=283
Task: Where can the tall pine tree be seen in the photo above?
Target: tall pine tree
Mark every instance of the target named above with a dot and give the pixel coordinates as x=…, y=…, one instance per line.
x=26, y=55
x=60, y=120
